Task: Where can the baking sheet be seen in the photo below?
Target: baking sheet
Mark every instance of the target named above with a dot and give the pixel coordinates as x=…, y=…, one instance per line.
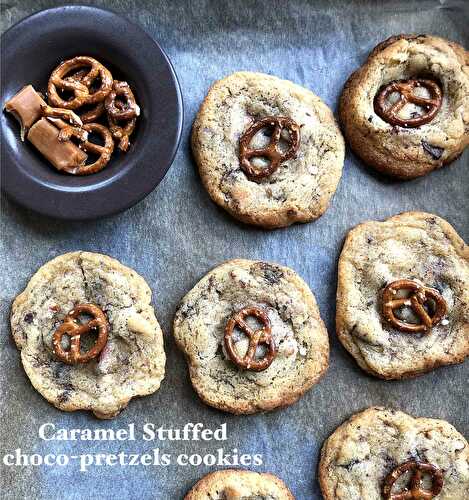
x=177, y=234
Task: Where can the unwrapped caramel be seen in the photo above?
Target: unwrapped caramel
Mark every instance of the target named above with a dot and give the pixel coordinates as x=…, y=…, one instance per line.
x=26, y=107
x=64, y=155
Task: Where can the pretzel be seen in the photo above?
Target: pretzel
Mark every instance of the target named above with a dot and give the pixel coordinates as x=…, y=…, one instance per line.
x=93, y=114
x=256, y=337
x=74, y=330
x=416, y=490
x=80, y=86
x=65, y=114
x=119, y=112
x=271, y=151
x=68, y=131
x=104, y=152
x=420, y=294
x=97, y=110
x=405, y=89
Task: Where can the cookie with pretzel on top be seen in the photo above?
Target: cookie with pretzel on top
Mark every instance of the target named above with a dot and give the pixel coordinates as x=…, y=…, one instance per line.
x=269, y=151
x=381, y=453
x=405, y=112
x=403, y=295
x=252, y=336
x=88, y=335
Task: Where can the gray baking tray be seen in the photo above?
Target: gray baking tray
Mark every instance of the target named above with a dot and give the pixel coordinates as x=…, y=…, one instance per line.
x=177, y=234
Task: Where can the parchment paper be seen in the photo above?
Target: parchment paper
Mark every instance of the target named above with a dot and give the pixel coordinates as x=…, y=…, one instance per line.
x=177, y=234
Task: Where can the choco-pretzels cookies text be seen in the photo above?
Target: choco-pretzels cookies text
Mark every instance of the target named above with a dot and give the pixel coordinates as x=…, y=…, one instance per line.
x=268, y=151
x=403, y=295
x=72, y=366
x=384, y=454
x=405, y=112
x=252, y=336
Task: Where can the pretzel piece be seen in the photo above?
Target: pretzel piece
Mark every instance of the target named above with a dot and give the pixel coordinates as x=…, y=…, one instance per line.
x=419, y=296
x=263, y=336
x=405, y=88
x=272, y=152
x=79, y=86
x=415, y=490
x=74, y=330
x=122, y=116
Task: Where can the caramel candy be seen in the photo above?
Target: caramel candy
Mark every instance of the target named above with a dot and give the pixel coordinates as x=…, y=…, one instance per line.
x=26, y=107
x=64, y=155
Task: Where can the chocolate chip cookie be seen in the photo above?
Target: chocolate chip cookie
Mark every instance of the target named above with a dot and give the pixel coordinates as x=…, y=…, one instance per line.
x=238, y=485
x=403, y=295
x=386, y=454
x=269, y=151
x=88, y=335
x=253, y=337
x=405, y=112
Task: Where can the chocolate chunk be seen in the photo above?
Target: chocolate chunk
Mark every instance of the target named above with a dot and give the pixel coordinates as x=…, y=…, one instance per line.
x=271, y=273
x=28, y=318
x=434, y=151
x=350, y=464
x=66, y=393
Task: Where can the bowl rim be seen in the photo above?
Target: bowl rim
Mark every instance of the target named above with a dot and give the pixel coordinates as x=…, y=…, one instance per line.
x=45, y=198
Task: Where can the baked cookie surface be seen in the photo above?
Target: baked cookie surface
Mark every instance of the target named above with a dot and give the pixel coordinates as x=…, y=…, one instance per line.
x=133, y=359
x=397, y=150
x=301, y=188
x=299, y=334
x=358, y=457
x=413, y=246
x=239, y=485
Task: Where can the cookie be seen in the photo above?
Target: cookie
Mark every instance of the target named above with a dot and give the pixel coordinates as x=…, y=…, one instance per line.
x=380, y=452
x=253, y=337
x=423, y=135
x=63, y=296
x=239, y=485
x=403, y=295
x=268, y=151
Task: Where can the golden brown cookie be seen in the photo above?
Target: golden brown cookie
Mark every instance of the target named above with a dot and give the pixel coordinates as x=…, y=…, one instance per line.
x=386, y=134
x=239, y=485
x=132, y=361
x=236, y=118
x=365, y=458
x=425, y=250
x=285, y=306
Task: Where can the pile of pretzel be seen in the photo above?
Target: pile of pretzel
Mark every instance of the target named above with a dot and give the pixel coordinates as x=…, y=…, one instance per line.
x=82, y=91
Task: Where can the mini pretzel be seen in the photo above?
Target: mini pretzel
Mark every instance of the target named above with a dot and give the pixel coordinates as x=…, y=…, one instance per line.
x=256, y=337
x=93, y=114
x=104, y=152
x=419, y=296
x=97, y=110
x=390, y=113
x=65, y=114
x=119, y=112
x=74, y=330
x=68, y=131
x=415, y=490
x=80, y=86
x=271, y=151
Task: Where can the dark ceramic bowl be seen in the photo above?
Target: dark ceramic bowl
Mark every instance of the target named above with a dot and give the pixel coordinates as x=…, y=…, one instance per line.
x=30, y=51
